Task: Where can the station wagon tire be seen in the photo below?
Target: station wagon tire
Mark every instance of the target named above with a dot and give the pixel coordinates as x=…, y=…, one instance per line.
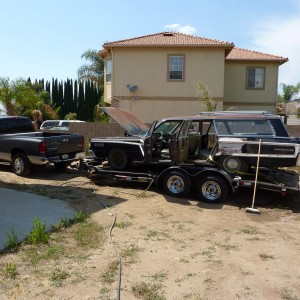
x=118, y=159
x=177, y=184
x=233, y=164
x=21, y=166
x=212, y=189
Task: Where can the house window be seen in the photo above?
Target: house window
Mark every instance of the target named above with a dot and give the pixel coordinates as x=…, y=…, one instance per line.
x=255, y=78
x=108, y=70
x=176, y=67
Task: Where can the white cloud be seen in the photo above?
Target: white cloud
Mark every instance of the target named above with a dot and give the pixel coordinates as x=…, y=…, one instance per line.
x=187, y=29
x=280, y=36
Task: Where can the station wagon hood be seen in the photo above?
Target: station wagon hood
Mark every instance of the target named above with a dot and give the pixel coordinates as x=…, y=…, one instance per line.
x=127, y=120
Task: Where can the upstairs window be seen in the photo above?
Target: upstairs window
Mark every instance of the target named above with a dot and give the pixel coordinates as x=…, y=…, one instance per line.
x=255, y=78
x=176, y=67
x=108, y=70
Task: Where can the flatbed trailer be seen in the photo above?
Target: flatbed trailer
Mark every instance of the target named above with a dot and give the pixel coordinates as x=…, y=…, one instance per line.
x=274, y=180
x=210, y=183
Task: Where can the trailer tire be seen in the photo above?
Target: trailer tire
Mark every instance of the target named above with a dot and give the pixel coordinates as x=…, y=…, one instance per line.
x=177, y=184
x=20, y=164
x=212, y=189
x=118, y=159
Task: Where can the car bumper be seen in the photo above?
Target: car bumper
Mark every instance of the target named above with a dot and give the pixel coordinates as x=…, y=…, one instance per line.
x=40, y=160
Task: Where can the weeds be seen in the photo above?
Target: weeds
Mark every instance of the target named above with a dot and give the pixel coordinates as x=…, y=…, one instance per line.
x=123, y=224
x=147, y=291
x=130, y=253
x=265, y=256
x=81, y=216
x=89, y=234
x=38, y=234
x=108, y=277
x=158, y=235
x=10, y=270
x=12, y=241
x=57, y=276
x=287, y=295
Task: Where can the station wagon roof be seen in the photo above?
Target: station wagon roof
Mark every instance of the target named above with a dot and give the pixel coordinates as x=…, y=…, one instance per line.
x=137, y=128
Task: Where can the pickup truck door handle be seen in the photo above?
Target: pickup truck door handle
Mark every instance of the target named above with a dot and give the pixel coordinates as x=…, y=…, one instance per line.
x=65, y=140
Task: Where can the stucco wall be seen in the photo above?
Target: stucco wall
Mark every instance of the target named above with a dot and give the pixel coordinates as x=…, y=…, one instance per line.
x=236, y=94
x=157, y=97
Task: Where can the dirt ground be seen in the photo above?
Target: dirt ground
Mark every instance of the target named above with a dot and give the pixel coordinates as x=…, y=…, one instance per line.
x=171, y=248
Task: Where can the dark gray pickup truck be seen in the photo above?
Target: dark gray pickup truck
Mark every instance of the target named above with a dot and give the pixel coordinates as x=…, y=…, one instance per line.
x=23, y=147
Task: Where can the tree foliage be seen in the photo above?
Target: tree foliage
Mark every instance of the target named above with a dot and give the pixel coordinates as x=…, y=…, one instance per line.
x=288, y=92
x=205, y=95
x=95, y=70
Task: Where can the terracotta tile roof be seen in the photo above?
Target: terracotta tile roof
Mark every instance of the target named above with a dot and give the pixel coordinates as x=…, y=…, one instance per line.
x=239, y=54
x=165, y=39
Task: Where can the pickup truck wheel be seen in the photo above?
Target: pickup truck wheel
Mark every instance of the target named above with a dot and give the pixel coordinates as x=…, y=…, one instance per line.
x=20, y=164
x=118, y=159
x=176, y=184
x=212, y=189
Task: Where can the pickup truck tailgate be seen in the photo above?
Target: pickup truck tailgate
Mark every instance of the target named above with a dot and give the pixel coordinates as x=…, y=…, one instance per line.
x=62, y=144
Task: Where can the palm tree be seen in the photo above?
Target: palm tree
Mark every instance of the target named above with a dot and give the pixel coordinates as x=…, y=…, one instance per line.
x=288, y=92
x=95, y=70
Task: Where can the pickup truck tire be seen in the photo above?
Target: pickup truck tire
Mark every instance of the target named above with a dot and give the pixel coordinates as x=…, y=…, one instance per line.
x=20, y=164
x=118, y=159
x=177, y=184
x=211, y=188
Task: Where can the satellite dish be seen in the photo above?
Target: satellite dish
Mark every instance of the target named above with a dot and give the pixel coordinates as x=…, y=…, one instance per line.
x=132, y=88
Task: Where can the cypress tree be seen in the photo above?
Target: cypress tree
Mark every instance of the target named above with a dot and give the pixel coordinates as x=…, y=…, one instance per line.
x=81, y=114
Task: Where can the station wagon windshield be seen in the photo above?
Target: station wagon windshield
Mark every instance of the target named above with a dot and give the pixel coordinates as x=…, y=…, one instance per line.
x=244, y=127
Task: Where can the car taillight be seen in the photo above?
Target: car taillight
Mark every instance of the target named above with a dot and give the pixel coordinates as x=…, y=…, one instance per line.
x=42, y=147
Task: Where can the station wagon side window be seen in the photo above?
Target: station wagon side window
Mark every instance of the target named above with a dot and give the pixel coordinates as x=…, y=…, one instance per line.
x=244, y=128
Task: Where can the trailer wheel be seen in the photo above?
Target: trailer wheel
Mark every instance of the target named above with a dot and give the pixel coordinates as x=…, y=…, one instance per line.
x=118, y=159
x=176, y=184
x=20, y=164
x=212, y=189
x=233, y=164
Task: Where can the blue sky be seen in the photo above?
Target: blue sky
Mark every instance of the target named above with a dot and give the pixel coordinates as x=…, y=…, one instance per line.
x=45, y=39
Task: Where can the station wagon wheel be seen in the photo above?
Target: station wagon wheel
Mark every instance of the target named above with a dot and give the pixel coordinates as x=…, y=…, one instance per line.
x=20, y=164
x=211, y=189
x=176, y=183
x=118, y=159
x=233, y=164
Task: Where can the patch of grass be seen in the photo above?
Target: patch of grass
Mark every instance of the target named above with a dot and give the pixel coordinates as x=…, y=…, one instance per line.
x=38, y=234
x=288, y=295
x=265, y=256
x=12, y=243
x=81, y=216
x=57, y=276
x=10, y=270
x=161, y=214
x=108, y=277
x=208, y=281
x=130, y=253
x=130, y=216
x=184, y=260
x=147, y=291
x=123, y=224
x=160, y=276
x=89, y=234
x=249, y=230
x=62, y=224
x=158, y=235
x=54, y=252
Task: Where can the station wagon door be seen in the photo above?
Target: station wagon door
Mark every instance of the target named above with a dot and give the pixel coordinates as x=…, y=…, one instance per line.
x=179, y=146
x=148, y=144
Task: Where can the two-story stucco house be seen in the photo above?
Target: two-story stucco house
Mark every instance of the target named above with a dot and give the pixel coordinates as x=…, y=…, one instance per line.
x=155, y=76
